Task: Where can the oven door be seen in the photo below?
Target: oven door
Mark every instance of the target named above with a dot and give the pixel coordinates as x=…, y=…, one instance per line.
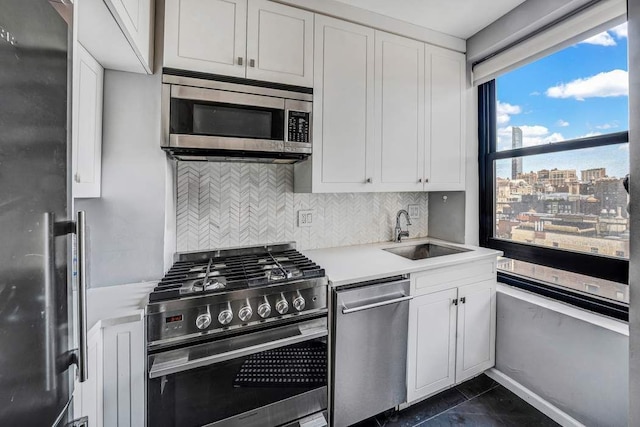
x=264, y=378
x=222, y=120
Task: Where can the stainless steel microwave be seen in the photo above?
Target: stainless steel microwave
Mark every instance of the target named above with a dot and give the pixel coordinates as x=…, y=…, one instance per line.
x=210, y=120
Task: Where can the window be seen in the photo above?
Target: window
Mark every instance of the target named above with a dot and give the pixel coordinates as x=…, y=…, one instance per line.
x=554, y=153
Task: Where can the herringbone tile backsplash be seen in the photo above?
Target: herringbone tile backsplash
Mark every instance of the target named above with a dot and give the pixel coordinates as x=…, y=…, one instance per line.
x=231, y=204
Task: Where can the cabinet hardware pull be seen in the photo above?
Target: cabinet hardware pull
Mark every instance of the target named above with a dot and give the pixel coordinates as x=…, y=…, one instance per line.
x=463, y=300
x=420, y=180
x=369, y=180
x=454, y=302
x=239, y=60
x=426, y=180
x=252, y=63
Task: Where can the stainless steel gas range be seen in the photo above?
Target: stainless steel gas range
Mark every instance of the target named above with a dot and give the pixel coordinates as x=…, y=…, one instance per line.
x=238, y=337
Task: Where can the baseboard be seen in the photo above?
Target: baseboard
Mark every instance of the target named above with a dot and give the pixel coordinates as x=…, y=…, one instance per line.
x=551, y=411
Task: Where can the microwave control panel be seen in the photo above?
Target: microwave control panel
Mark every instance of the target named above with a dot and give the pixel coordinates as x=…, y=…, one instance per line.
x=298, y=126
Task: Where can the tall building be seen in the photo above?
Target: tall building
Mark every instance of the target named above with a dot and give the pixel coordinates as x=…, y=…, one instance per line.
x=593, y=174
x=516, y=142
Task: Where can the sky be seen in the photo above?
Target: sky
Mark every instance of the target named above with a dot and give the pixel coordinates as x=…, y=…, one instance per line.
x=579, y=91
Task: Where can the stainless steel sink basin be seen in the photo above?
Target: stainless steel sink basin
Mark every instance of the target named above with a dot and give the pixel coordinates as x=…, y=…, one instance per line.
x=426, y=250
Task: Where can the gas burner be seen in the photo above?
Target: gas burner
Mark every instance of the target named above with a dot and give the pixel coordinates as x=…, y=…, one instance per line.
x=215, y=293
x=230, y=270
x=211, y=284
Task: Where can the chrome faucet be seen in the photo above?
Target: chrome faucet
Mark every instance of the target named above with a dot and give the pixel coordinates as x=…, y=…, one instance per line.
x=398, y=233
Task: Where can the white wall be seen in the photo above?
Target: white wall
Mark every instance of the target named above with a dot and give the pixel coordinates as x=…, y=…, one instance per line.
x=126, y=225
x=578, y=366
x=634, y=270
x=472, y=200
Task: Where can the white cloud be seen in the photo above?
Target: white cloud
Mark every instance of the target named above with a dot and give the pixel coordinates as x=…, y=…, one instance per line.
x=607, y=126
x=534, y=93
x=531, y=135
x=602, y=85
x=624, y=147
x=504, y=111
x=601, y=39
x=590, y=134
x=562, y=123
x=620, y=31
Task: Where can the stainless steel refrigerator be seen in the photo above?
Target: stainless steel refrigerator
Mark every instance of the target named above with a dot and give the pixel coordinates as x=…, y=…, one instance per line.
x=37, y=355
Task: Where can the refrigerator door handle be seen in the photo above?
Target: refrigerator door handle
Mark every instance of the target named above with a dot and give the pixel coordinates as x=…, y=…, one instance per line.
x=49, y=301
x=81, y=235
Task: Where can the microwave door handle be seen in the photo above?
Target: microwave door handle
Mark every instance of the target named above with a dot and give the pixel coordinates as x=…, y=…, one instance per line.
x=181, y=364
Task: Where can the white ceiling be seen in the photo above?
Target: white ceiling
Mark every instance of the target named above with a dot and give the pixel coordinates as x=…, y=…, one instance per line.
x=459, y=18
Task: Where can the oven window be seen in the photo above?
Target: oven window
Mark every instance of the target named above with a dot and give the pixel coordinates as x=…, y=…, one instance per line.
x=242, y=386
x=226, y=120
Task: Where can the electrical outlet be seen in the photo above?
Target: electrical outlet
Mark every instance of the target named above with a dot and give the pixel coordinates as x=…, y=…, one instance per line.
x=414, y=211
x=305, y=218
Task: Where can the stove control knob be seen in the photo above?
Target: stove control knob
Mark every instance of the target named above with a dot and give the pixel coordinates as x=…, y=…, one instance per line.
x=226, y=315
x=203, y=320
x=264, y=309
x=282, y=306
x=298, y=302
x=245, y=312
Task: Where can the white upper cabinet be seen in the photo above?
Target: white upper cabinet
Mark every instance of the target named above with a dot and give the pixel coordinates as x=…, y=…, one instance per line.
x=279, y=43
x=399, y=113
x=445, y=127
x=256, y=39
x=343, y=107
x=119, y=34
x=86, y=133
x=206, y=35
x=388, y=113
x=135, y=17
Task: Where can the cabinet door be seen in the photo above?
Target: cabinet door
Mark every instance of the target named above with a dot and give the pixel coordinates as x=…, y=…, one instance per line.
x=445, y=134
x=432, y=340
x=343, y=106
x=135, y=20
x=206, y=35
x=399, y=120
x=124, y=374
x=279, y=43
x=87, y=124
x=476, y=329
x=88, y=395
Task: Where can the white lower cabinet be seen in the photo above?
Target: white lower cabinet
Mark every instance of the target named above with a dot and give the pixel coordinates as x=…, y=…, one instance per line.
x=451, y=331
x=476, y=329
x=124, y=375
x=114, y=393
x=88, y=395
x=431, y=362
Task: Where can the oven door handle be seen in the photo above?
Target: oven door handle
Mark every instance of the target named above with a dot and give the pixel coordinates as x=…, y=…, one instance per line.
x=181, y=364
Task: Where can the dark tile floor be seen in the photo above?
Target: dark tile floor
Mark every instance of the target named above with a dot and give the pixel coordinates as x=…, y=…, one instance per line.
x=478, y=402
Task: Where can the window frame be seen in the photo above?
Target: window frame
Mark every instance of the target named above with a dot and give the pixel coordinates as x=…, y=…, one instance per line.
x=600, y=266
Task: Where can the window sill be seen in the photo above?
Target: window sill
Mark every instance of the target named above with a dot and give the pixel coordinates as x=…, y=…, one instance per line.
x=596, y=319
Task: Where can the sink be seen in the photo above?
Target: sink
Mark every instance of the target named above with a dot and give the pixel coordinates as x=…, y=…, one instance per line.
x=424, y=251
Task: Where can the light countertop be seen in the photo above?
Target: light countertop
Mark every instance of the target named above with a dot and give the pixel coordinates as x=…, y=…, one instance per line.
x=351, y=264
x=111, y=305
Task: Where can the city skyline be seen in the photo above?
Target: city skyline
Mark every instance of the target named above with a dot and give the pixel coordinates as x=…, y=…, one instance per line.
x=580, y=91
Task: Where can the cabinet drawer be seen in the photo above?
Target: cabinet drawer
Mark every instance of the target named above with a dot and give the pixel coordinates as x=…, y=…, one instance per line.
x=448, y=277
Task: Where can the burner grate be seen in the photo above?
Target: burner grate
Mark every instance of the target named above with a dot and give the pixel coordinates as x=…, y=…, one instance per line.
x=221, y=273
x=302, y=365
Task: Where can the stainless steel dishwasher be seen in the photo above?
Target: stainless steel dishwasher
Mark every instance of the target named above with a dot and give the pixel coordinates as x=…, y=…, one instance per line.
x=369, y=348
